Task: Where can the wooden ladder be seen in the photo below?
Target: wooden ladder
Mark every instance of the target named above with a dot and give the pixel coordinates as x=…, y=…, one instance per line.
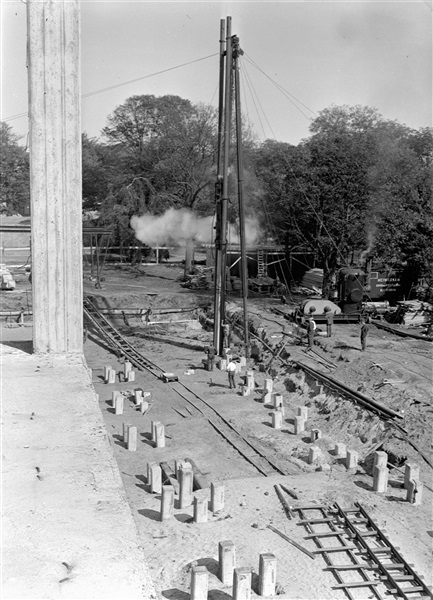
x=261, y=267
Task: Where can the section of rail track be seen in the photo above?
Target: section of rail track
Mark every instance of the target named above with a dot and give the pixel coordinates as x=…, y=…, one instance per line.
x=370, y=560
x=265, y=465
x=116, y=341
x=343, y=389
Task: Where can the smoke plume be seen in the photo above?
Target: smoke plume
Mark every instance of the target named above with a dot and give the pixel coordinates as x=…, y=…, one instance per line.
x=177, y=226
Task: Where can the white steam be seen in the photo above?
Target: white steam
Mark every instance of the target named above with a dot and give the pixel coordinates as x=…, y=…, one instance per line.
x=177, y=226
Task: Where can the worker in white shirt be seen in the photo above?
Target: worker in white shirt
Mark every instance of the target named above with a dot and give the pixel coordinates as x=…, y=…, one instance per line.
x=311, y=329
x=231, y=370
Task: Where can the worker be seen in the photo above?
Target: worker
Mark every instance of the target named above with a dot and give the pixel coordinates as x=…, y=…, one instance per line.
x=231, y=370
x=311, y=329
x=255, y=353
x=226, y=335
x=365, y=326
x=329, y=320
x=210, y=353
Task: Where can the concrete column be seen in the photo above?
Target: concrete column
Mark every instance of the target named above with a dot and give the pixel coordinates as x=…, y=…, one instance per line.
x=340, y=450
x=160, y=435
x=199, y=583
x=314, y=454
x=127, y=367
x=114, y=395
x=144, y=406
x=200, y=510
x=55, y=175
x=380, y=459
x=167, y=502
x=226, y=555
x=303, y=412
x=130, y=376
x=155, y=478
x=266, y=397
x=242, y=583
x=106, y=369
x=411, y=472
x=250, y=380
x=118, y=405
x=186, y=485
x=414, y=492
x=380, y=479
x=138, y=396
x=153, y=428
x=125, y=428
x=269, y=385
x=111, y=377
x=277, y=419
x=223, y=364
x=267, y=574
x=132, y=439
x=216, y=497
x=351, y=459
x=315, y=434
x=278, y=400
x=243, y=361
x=299, y=425
x=246, y=390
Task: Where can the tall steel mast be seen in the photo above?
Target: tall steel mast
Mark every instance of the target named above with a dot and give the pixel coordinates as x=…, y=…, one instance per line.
x=244, y=267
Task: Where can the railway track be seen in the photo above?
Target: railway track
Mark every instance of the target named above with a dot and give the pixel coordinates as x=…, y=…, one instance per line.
x=366, y=558
x=264, y=464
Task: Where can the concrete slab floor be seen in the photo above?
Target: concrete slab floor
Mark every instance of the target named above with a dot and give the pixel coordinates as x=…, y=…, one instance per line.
x=67, y=529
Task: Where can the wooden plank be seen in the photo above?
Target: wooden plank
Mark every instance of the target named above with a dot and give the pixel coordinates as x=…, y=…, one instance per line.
x=333, y=549
x=283, y=501
x=354, y=584
x=288, y=539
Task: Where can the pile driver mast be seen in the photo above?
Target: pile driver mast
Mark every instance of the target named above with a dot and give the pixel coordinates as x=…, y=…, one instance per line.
x=229, y=89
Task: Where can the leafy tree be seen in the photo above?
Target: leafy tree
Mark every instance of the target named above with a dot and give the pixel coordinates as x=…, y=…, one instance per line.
x=318, y=191
x=165, y=158
x=401, y=184
x=358, y=182
x=14, y=174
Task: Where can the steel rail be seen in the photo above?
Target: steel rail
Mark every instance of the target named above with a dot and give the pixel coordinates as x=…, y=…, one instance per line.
x=391, y=329
x=355, y=526
x=363, y=528
x=357, y=396
x=221, y=425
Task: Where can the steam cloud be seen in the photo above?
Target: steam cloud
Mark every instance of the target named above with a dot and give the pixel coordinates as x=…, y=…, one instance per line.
x=177, y=226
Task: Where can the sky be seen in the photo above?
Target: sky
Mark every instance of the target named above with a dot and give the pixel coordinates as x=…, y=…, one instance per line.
x=299, y=58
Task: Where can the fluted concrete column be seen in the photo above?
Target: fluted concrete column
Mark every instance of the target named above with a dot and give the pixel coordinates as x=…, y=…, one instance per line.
x=55, y=175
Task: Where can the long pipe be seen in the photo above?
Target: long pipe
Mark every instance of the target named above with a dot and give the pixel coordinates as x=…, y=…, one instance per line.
x=244, y=268
x=225, y=189
x=217, y=291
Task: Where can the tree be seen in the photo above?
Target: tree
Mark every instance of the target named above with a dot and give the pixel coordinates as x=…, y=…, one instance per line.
x=169, y=144
x=318, y=192
x=14, y=174
x=401, y=183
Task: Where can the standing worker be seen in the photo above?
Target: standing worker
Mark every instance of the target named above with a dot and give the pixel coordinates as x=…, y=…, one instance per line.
x=210, y=353
x=364, y=332
x=329, y=320
x=231, y=370
x=226, y=335
x=311, y=329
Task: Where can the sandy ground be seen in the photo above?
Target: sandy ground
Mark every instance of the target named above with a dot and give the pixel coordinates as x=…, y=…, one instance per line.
x=251, y=504
x=172, y=547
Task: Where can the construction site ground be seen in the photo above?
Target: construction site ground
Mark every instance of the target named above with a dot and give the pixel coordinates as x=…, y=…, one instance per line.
x=394, y=371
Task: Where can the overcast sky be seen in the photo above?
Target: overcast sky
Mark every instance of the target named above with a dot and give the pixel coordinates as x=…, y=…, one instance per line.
x=376, y=54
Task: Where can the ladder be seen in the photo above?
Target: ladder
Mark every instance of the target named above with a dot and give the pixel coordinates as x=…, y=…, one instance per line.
x=261, y=266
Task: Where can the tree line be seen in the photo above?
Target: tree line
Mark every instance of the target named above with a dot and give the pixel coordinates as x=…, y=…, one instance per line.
x=357, y=183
